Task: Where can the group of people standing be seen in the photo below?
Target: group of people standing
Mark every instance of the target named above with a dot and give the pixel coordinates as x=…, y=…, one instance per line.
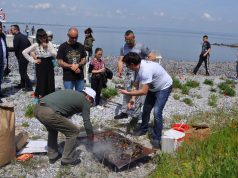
x=143, y=76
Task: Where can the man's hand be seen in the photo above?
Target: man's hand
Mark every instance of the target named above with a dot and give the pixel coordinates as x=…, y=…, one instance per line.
x=37, y=61
x=74, y=67
x=123, y=91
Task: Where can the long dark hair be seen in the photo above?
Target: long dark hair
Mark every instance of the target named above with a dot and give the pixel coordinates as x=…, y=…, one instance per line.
x=41, y=35
x=89, y=31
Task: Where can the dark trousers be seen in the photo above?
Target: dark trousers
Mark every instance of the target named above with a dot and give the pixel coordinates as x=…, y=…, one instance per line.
x=156, y=100
x=96, y=84
x=45, y=77
x=201, y=60
x=55, y=123
x=25, y=80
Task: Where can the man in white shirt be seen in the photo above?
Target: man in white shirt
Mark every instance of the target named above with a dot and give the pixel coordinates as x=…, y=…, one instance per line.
x=156, y=84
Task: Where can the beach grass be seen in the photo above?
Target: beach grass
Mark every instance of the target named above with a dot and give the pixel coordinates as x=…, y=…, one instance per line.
x=227, y=89
x=176, y=83
x=208, y=82
x=213, y=156
x=109, y=92
x=188, y=101
x=192, y=84
x=185, y=89
x=29, y=111
x=212, y=100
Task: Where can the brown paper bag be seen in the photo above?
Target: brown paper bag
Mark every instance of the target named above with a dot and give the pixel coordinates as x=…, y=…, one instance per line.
x=21, y=140
x=7, y=135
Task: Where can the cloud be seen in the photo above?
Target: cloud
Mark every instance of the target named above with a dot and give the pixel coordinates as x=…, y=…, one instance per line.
x=118, y=11
x=207, y=16
x=66, y=7
x=41, y=6
x=161, y=14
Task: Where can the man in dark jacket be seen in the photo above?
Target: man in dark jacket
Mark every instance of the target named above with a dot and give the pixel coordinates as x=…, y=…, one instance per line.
x=3, y=56
x=21, y=42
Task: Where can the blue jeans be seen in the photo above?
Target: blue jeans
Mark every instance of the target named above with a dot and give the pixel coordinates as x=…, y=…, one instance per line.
x=157, y=100
x=77, y=84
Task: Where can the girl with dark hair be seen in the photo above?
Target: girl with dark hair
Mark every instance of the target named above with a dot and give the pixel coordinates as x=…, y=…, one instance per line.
x=97, y=68
x=88, y=42
x=41, y=53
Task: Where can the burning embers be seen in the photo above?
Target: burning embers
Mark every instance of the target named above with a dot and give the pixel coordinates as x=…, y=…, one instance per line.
x=117, y=150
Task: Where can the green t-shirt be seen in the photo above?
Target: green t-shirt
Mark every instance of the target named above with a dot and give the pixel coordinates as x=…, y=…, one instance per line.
x=69, y=102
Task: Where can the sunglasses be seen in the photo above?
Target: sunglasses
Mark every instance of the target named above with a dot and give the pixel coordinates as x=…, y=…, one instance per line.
x=129, y=40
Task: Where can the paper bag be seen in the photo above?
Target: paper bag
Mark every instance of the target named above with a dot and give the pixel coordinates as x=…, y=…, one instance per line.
x=7, y=135
x=21, y=140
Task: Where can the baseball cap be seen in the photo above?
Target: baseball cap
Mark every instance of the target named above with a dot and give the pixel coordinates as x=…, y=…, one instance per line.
x=89, y=91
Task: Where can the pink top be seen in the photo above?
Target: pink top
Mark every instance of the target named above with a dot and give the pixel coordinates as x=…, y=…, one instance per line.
x=97, y=64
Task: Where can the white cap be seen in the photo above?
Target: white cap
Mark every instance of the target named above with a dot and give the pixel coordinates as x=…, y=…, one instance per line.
x=49, y=33
x=89, y=91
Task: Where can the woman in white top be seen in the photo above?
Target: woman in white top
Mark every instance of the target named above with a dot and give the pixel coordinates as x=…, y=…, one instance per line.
x=42, y=53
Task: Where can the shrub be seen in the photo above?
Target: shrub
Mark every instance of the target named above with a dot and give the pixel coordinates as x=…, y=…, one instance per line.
x=215, y=156
x=109, y=92
x=192, y=83
x=29, y=111
x=176, y=83
x=176, y=97
x=208, y=82
x=25, y=124
x=185, y=89
x=188, y=101
x=231, y=83
x=226, y=89
x=212, y=100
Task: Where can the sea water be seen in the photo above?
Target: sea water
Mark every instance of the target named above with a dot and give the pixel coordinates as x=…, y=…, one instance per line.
x=170, y=43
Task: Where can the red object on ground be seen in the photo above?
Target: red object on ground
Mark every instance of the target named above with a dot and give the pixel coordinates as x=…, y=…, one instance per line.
x=180, y=127
x=24, y=157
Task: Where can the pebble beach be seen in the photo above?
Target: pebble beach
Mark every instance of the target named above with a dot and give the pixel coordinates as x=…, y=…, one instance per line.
x=102, y=118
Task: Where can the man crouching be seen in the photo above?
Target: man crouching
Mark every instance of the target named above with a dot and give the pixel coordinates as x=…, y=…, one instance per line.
x=53, y=110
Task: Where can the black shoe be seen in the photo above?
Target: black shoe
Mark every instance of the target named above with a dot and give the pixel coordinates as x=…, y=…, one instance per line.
x=77, y=161
x=2, y=95
x=27, y=89
x=139, y=133
x=156, y=144
x=121, y=116
x=134, y=121
x=52, y=161
x=207, y=74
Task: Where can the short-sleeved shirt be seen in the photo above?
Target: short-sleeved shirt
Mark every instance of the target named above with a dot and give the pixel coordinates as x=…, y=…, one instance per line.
x=154, y=75
x=72, y=54
x=205, y=46
x=138, y=48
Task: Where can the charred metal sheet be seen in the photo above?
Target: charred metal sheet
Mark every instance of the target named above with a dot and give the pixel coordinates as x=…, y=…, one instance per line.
x=117, y=150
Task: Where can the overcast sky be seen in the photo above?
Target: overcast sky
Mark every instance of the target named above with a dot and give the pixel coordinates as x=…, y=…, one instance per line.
x=198, y=15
